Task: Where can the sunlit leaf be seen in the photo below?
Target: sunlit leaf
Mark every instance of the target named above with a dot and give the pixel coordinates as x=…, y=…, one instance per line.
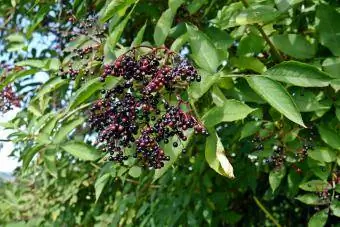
x=329, y=32
x=315, y=186
x=203, y=50
x=299, y=74
x=277, y=96
x=329, y=136
x=319, y=219
x=232, y=110
x=81, y=151
x=163, y=27
x=276, y=176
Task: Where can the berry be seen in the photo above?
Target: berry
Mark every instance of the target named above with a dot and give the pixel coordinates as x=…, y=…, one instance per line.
x=137, y=111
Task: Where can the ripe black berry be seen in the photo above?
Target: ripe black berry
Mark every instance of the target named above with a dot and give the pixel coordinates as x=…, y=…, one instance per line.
x=137, y=111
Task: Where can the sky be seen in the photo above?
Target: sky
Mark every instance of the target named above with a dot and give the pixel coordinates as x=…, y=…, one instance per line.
x=7, y=164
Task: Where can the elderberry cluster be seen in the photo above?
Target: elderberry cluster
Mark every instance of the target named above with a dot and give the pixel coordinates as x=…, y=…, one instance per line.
x=137, y=114
x=281, y=151
x=8, y=98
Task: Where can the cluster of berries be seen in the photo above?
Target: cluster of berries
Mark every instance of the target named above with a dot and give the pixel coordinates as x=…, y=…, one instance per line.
x=87, y=59
x=280, y=152
x=135, y=113
x=8, y=98
x=87, y=27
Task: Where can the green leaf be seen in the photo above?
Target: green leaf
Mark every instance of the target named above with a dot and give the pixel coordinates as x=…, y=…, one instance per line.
x=296, y=46
x=139, y=37
x=214, y=155
x=117, y=32
x=50, y=124
x=115, y=6
x=34, y=109
x=232, y=110
x=319, y=219
x=65, y=129
x=85, y=92
x=250, y=44
x=251, y=63
x=319, y=169
x=100, y=184
x=291, y=136
x=16, y=47
x=284, y=5
x=135, y=171
x=218, y=96
x=277, y=96
x=195, y=5
x=53, y=64
x=51, y=85
x=179, y=42
x=82, y=151
x=16, y=38
x=173, y=152
x=311, y=199
x=299, y=74
x=77, y=42
x=16, y=75
x=242, y=91
x=335, y=207
x=260, y=14
x=322, y=154
x=221, y=40
x=307, y=101
x=197, y=90
x=38, y=18
x=41, y=64
x=203, y=50
x=337, y=187
x=50, y=162
x=335, y=84
x=276, y=176
x=315, y=186
x=332, y=67
x=250, y=128
x=28, y=156
x=329, y=136
x=175, y=4
x=337, y=113
x=329, y=32
x=163, y=27
x=293, y=180
x=43, y=139
x=226, y=16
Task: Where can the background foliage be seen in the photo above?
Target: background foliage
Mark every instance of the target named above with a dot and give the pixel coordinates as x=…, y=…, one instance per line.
x=269, y=97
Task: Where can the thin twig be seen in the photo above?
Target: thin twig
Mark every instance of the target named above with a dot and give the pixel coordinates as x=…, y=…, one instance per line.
x=137, y=182
x=5, y=140
x=260, y=205
x=276, y=54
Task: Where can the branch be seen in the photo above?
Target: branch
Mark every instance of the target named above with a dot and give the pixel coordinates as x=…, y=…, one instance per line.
x=260, y=205
x=137, y=182
x=276, y=54
x=5, y=140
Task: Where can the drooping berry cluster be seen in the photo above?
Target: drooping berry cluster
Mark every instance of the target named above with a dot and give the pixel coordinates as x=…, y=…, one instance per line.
x=8, y=97
x=137, y=113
